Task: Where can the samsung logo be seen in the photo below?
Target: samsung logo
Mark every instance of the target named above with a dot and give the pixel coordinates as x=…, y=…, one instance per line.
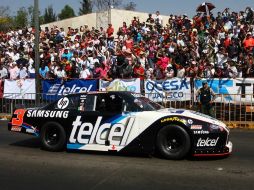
x=47, y=113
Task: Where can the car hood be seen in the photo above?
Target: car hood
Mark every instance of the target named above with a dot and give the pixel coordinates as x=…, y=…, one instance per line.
x=193, y=114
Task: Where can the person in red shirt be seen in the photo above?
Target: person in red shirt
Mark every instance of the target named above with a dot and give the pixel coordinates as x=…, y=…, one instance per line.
x=129, y=42
x=138, y=71
x=248, y=42
x=110, y=31
x=227, y=41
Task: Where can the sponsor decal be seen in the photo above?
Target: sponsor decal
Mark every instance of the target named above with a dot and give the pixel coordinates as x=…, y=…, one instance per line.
x=87, y=133
x=31, y=130
x=173, y=119
x=47, y=113
x=16, y=128
x=207, y=142
x=63, y=103
x=196, y=126
x=190, y=121
x=19, y=117
x=201, y=132
x=216, y=127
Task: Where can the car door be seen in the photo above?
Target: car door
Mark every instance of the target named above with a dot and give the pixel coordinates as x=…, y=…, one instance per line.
x=102, y=125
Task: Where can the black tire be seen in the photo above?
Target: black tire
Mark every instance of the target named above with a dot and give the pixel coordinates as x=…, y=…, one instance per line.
x=53, y=137
x=173, y=142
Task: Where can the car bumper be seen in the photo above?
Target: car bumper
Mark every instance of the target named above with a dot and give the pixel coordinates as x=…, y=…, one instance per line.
x=227, y=150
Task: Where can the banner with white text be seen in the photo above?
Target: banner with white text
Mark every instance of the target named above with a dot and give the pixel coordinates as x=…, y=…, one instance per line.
x=132, y=85
x=19, y=89
x=236, y=91
x=175, y=89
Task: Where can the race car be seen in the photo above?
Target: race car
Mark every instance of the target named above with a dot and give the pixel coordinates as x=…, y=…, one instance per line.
x=122, y=122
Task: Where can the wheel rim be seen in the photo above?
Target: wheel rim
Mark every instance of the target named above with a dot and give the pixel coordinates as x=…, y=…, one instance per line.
x=52, y=135
x=173, y=143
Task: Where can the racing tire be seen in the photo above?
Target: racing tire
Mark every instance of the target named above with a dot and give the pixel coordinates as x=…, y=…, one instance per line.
x=173, y=142
x=53, y=137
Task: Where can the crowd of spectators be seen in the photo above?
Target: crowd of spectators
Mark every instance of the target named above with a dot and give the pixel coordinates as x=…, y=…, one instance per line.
x=205, y=46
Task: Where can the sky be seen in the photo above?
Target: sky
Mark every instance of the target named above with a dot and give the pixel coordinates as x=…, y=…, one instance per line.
x=166, y=7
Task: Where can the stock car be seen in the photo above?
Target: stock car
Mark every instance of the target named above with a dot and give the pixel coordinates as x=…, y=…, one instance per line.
x=122, y=122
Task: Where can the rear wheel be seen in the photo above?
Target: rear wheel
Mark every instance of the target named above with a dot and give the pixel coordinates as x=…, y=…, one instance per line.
x=53, y=137
x=173, y=142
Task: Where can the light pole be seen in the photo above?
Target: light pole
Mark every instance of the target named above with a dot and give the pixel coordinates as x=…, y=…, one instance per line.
x=36, y=50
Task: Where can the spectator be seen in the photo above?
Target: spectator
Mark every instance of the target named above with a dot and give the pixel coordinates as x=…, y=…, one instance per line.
x=3, y=72
x=43, y=71
x=206, y=98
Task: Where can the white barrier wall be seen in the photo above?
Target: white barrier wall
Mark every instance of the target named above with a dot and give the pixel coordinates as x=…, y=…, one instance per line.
x=117, y=17
x=76, y=22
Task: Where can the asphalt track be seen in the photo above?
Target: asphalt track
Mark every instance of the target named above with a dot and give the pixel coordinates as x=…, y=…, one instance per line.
x=23, y=165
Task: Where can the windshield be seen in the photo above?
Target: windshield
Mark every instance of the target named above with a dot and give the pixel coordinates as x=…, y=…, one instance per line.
x=146, y=104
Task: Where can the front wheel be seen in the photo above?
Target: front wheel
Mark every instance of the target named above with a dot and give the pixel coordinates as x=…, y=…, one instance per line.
x=53, y=137
x=173, y=142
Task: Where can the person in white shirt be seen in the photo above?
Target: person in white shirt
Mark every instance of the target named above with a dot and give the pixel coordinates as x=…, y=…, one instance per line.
x=23, y=72
x=3, y=72
x=158, y=18
x=84, y=73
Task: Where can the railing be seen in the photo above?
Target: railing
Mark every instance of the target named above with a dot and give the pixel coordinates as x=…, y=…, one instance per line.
x=239, y=114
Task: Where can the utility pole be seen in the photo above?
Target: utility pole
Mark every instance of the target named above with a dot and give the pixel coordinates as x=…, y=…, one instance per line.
x=36, y=50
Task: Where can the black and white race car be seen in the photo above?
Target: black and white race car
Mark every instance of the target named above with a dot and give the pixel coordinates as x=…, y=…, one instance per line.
x=122, y=122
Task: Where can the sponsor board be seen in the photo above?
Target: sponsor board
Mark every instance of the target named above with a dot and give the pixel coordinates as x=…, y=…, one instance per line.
x=99, y=133
x=19, y=89
x=53, y=89
x=207, y=142
x=175, y=89
x=235, y=91
x=132, y=85
x=47, y=113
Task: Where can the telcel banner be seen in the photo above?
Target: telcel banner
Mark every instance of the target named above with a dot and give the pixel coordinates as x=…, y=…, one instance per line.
x=175, y=89
x=237, y=91
x=54, y=89
x=19, y=89
x=132, y=85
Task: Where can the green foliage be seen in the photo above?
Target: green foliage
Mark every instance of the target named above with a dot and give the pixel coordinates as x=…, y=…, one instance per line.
x=49, y=15
x=21, y=19
x=66, y=12
x=131, y=6
x=86, y=7
x=6, y=20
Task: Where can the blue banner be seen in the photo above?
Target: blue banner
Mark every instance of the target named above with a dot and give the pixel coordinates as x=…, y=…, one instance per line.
x=54, y=89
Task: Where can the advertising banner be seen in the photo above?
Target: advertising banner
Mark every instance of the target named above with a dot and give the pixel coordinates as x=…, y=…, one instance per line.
x=175, y=89
x=132, y=85
x=236, y=91
x=19, y=89
x=53, y=89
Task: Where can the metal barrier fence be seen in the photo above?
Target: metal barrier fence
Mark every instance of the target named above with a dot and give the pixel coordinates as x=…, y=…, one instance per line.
x=240, y=114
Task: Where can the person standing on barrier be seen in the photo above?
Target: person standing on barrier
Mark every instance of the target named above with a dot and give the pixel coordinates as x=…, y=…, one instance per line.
x=206, y=97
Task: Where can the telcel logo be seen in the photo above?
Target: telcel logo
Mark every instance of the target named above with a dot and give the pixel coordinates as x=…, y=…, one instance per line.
x=74, y=89
x=86, y=133
x=207, y=142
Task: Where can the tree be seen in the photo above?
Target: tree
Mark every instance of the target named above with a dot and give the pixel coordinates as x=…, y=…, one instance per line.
x=49, y=15
x=6, y=20
x=103, y=5
x=86, y=7
x=131, y=6
x=66, y=12
x=21, y=19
